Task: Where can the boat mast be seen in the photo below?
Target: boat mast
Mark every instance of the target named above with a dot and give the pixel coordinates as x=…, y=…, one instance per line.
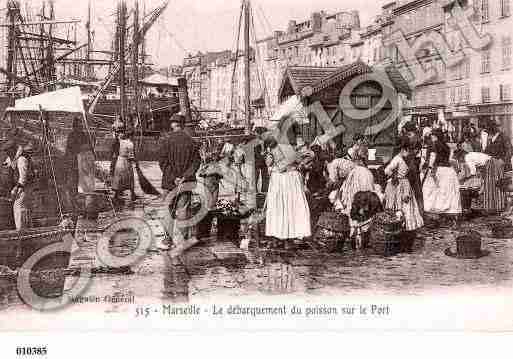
x=89, y=73
x=246, y=67
x=135, y=59
x=50, y=54
x=121, y=55
x=12, y=11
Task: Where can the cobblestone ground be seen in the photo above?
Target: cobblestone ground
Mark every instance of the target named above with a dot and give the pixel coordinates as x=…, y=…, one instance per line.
x=216, y=267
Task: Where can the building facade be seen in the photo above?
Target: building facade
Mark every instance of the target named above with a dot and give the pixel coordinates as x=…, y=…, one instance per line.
x=476, y=88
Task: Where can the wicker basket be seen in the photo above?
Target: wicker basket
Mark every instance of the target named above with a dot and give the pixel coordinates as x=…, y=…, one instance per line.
x=331, y=231
x=502, y=230
x=385, y=236
x=469, y=245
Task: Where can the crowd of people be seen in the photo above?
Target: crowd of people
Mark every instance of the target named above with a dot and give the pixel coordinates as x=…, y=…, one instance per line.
x=423, y=177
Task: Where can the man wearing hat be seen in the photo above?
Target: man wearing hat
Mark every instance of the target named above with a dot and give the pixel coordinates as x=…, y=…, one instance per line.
x=20, y=193
x=179, y=160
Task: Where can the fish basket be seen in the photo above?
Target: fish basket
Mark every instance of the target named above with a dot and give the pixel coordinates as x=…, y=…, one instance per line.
x=468, y=245
x=260, y=200
x=331, y=231
x=500, y=227
x=385, y=234
x=319, y=203
x=502, y=230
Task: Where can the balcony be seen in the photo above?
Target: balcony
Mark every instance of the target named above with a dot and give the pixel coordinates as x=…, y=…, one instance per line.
x=296, y=36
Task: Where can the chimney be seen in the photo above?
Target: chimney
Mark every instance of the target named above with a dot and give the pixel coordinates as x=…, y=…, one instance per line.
x=292, y=27
x=316, y=22
x=355, y=19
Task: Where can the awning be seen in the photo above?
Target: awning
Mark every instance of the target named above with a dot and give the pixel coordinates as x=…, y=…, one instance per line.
x=65, y=100
x=293, y=108
x=157, y=80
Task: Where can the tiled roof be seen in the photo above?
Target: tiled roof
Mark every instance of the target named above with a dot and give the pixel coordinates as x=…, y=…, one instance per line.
x=320, y=78
x=302, y=76
x=341, y=73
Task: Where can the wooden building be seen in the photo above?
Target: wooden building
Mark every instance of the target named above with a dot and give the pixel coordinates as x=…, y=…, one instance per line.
x=365, y=87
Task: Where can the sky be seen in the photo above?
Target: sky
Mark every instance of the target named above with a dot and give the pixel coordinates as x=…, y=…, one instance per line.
x=188, y=26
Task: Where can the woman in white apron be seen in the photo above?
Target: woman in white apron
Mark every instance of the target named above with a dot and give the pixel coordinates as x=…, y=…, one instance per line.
x=287, y=213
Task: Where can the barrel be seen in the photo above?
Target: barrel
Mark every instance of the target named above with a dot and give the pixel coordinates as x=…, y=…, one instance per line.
x=6, y=215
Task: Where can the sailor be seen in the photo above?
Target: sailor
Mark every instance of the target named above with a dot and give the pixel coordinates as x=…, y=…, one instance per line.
x=21, y=194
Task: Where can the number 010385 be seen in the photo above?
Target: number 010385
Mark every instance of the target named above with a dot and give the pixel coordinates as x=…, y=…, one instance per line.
x=31, y=351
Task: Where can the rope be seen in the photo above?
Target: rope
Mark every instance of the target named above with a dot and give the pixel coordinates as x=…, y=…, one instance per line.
x=236, y=56
x=260, y=71
x=45, y=134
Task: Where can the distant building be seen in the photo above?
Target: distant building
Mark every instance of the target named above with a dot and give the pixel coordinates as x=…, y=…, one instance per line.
x=476, y=89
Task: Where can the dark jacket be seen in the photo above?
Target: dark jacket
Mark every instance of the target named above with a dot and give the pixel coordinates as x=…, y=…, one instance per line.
x=178, y=158
x=498, y=148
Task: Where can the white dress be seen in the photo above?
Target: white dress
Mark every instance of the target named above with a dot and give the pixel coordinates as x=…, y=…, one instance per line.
x=287, y=213
x=400, y=196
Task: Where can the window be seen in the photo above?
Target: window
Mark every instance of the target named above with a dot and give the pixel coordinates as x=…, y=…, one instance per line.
x=505, y=92
x=467, y=67
x=467, y=94
x=485, y=62
x=452, y=100
x=461, y=94
x=506, y=52
x=434, y=96
x=485, y=14
x=485, y=94
x=362, y=101
x=505, y=8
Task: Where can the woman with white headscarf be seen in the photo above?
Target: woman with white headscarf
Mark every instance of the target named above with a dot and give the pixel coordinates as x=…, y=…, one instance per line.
x=287, y=213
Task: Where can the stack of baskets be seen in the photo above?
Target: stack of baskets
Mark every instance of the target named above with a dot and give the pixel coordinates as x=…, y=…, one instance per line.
x=385, y=233
x=331, y=231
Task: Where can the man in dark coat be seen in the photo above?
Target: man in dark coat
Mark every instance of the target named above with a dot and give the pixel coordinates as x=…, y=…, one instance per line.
x=179, y=159
x=260, y=166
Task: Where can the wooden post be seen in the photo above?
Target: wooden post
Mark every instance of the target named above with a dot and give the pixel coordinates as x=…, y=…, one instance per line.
x=183, y=97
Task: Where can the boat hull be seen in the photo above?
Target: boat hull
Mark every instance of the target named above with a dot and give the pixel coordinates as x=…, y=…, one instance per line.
x=16, y=248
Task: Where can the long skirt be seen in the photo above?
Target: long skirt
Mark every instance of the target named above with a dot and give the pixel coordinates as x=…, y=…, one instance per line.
x=22, y=208
x=442, y=193
x=415, y=181
x=86, y=168
x=360, y=179
x=401, y=197
x=123, y=175
x=494, y=199
x=288, y=214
